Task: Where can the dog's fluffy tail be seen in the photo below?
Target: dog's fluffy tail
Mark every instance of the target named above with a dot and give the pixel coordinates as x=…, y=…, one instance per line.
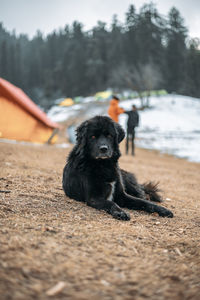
x=152, y=191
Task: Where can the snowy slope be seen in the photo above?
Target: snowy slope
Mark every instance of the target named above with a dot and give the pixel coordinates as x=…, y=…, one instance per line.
x=171, y=126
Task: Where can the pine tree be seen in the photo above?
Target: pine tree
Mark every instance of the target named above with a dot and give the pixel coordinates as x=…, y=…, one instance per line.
x=131, y=50
x=4, y=60
x=192, y=84
x=176, y=52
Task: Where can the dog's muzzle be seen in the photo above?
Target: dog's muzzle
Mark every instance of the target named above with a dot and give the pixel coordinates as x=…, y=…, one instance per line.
x=104, y=152
x=103, y=149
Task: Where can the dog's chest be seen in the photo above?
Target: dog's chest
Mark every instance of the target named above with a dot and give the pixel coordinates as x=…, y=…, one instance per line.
x=112, y=190
x=104, y=173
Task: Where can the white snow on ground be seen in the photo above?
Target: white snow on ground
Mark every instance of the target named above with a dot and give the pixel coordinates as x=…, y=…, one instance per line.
x=171, y=126
x=61, y=113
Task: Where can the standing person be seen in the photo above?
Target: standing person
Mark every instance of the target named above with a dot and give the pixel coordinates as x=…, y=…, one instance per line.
x=114, y=110
x=133, y=121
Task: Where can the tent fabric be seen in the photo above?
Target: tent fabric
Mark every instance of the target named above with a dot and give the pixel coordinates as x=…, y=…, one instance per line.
x=9, y=91
x=67, y=102
x=103, y=95
x=20, y=118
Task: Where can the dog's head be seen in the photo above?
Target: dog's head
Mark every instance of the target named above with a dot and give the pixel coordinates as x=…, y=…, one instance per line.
x=98, y=138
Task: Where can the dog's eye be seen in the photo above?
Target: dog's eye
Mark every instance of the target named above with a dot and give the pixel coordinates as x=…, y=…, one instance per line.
x=109, y=136
x=93, y=137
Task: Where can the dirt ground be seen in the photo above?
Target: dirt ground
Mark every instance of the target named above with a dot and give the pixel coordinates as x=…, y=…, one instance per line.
x=52, y=247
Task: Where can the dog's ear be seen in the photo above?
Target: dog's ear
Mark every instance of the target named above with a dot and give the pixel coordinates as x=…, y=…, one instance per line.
x=81, y=141
x=79, y=150
x=81, y=132
x=120, y=132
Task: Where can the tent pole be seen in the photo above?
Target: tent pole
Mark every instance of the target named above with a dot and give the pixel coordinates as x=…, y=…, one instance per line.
x=55, y=131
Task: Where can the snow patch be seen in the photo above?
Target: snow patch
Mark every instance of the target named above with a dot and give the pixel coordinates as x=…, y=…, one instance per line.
x=172, y=126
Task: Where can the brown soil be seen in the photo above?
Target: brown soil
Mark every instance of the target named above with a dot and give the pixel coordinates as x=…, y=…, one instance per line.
x=47, y=239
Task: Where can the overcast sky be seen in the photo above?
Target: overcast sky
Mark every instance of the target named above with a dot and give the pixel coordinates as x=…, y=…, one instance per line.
x=27, y=16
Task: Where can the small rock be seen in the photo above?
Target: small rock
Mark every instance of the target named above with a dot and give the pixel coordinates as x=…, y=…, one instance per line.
x=56, y=289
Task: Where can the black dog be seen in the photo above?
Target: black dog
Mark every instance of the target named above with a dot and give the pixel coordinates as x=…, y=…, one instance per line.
x=92, y=174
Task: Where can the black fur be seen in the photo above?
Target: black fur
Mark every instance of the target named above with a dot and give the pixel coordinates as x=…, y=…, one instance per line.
x=92, y=173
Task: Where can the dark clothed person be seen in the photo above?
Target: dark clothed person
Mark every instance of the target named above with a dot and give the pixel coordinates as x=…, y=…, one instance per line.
x=133, y=121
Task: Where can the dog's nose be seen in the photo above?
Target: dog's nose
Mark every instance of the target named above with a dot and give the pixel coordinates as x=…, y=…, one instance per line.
x=103, y=148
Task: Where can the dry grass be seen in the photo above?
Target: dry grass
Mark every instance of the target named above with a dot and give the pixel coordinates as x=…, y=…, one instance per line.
x=54, y=247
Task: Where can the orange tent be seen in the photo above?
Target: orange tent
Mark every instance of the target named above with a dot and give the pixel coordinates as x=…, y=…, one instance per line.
x=21, y=119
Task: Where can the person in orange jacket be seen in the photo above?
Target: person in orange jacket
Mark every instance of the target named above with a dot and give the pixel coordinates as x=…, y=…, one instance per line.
x=114, y=110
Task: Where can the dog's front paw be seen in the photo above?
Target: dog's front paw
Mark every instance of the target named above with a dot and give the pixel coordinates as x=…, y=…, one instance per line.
x=121, y=215
x=164, y=212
